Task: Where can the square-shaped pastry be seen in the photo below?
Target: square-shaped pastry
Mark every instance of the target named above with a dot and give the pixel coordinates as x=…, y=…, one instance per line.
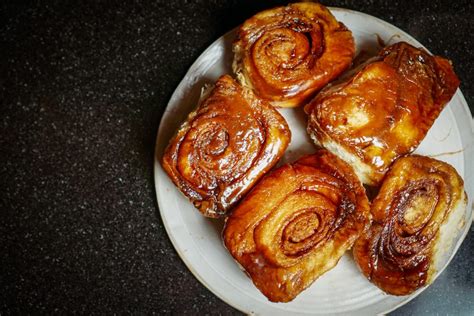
x=229, y=142
x=384, y=110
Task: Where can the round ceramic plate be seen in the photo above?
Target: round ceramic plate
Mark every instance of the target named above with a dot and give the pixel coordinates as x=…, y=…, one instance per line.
x=198, y=239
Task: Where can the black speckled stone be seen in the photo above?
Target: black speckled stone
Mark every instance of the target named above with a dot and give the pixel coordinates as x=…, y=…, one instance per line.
x=83, y=86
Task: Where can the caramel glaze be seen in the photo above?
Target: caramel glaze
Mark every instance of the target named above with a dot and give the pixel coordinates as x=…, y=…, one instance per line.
x=384, y=110
x=225, y=146
x=296, y=224
x=289, y=53
x=415, y=199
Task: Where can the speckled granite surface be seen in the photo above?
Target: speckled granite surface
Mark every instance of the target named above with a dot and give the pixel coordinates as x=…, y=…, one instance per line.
x=82, y=88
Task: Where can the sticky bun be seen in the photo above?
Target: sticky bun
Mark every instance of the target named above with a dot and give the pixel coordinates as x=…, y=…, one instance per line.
x=384, y=110
x=296, y=224
x=224, y=147
x=286, y=54
x=416, y=215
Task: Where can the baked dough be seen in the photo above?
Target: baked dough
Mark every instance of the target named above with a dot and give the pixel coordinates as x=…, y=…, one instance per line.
x=224, y=147
x=384, y=110
x=286, y=54
x=296, y=224
x=416, y=215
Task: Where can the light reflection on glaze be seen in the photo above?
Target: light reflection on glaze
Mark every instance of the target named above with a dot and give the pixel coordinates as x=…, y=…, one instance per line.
x=400, y=94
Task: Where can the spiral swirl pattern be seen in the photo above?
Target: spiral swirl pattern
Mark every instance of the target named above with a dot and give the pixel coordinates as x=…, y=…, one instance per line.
x=288, y=53
x=416, y=198
x=316, y=211
x=224, y=147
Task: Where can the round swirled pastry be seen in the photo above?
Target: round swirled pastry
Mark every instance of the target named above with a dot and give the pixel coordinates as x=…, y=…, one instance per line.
x=225, y=146
x=286, y=54
x=416, y=215
x=296, y=224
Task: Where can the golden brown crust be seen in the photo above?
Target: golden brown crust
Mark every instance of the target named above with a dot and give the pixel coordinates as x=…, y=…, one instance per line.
x=296, y=224
x=286, y=54
x=385, y=110
x=417, y=197
x=224, y=147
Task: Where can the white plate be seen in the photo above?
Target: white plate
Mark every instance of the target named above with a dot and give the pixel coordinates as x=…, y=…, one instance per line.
x=198, y=240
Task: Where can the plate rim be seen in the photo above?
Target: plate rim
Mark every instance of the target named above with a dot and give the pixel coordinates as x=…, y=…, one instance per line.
x=157, y=165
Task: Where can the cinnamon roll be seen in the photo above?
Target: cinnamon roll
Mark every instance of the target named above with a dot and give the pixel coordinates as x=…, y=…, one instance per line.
x=416, y=215
x=384, y=110
x=224, y=147
x=296, y=224
x=286, y=54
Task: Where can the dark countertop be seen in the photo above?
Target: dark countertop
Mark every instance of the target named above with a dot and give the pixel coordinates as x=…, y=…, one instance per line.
x=83, y=86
